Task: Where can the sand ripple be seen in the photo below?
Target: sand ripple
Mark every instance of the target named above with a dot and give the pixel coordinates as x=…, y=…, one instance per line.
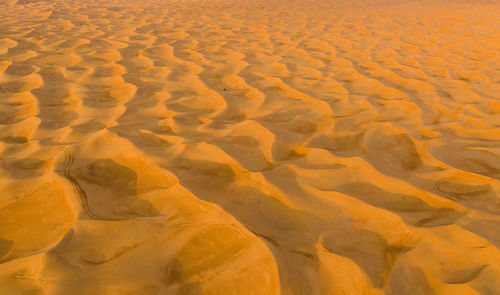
x=249, y=147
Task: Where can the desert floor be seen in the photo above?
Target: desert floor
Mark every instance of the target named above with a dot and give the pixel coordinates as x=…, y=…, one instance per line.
x=249, y=147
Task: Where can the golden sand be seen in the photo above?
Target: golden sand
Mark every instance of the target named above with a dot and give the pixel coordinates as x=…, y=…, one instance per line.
x=249, y=147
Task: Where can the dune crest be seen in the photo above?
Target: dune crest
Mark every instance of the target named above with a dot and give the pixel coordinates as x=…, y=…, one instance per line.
x=249, y=147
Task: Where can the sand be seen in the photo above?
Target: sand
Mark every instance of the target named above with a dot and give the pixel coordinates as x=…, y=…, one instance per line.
x=249, y=147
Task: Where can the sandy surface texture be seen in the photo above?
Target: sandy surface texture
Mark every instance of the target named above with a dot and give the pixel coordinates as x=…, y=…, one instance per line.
x=249, y=147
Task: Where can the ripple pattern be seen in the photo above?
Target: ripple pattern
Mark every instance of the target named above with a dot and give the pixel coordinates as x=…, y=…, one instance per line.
x=249, y=147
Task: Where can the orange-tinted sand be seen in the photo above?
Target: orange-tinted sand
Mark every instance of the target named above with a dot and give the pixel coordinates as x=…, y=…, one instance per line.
x=249, y=147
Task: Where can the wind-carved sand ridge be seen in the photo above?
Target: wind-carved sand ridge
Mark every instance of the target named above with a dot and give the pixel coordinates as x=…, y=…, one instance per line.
x=249, y=147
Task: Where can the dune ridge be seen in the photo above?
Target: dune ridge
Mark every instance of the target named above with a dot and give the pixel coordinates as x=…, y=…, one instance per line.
x=249, y=147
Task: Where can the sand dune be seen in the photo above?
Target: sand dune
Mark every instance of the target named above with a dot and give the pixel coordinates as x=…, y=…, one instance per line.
x=249, y=147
